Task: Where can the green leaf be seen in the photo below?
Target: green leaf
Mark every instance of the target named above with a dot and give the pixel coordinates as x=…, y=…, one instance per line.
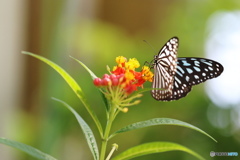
x=93, y=77
x=105, y=101
x=159, y=121
x=73, y=84
x=86, y=130
x=84, y=66
x=27, y=149
x=154, y=147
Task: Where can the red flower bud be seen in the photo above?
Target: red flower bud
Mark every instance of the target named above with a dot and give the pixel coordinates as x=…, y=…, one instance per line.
x=106, y=81
x=97, y=82
x=121, y=77
x=115, y=82
x=113, y=76
x=105, y=76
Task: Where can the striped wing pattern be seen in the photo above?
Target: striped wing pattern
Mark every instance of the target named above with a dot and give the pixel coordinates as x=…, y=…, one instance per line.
x=177, y=76
x=165, y=66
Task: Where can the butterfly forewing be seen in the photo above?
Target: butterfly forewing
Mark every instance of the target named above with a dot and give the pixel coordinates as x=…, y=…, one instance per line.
x=197, y=70
x=165, y=66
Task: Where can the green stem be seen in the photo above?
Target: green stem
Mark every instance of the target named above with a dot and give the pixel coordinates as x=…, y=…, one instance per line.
x=107, y=132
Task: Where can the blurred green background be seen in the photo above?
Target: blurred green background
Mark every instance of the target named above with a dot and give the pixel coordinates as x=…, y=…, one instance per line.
x=95, y=32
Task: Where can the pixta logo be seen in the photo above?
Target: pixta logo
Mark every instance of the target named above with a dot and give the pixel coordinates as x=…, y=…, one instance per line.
x=212, y=153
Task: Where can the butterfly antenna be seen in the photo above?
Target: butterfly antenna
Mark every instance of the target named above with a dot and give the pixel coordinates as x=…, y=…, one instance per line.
x=150, y=46
x=150, y=64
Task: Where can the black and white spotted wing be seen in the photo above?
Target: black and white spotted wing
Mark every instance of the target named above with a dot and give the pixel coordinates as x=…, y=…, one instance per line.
x=192, y=71
x=165, y=67
x=177, y=76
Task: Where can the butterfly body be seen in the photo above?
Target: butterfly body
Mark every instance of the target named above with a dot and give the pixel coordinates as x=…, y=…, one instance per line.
x=176, y=76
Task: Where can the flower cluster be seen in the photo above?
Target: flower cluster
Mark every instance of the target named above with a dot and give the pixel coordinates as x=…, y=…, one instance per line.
x=122, y=81
x=125, y=76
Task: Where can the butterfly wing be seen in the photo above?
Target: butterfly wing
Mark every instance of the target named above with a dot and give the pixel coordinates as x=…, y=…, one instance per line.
x=192, y=71
x=165, y=66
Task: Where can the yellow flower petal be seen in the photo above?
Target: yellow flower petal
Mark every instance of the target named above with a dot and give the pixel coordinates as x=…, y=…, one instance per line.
x=134, y=62
x=121, y=59
x=129, y=75
x=147, y=74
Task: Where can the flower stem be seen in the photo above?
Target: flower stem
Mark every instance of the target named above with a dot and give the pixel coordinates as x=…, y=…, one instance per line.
x=107, y=132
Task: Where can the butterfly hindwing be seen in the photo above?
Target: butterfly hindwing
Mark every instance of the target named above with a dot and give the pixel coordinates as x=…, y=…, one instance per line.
x=180, y=88
x=192, y=71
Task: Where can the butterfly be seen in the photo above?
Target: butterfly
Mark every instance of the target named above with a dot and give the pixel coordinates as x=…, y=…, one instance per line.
x=174, y=77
